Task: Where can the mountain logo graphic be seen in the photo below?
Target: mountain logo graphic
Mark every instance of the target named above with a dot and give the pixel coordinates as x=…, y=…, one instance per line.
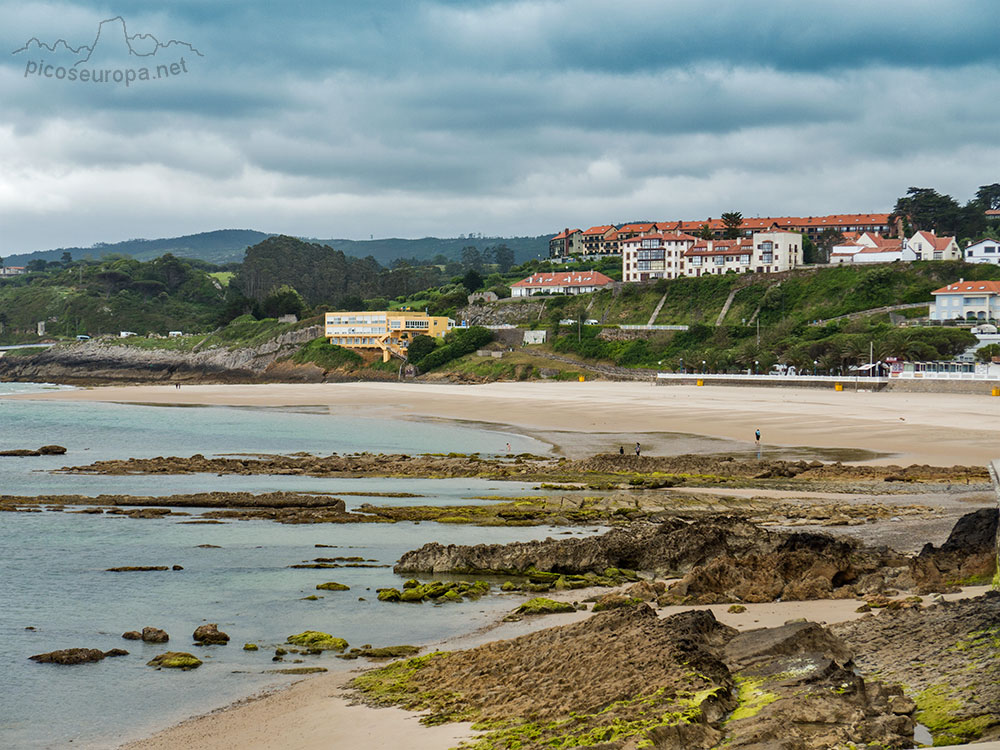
x=111, y=33
x=112, y=45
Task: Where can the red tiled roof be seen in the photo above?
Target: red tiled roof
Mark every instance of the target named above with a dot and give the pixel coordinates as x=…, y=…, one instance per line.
x=943, y=243
x=565, y=278
x=993, y=212
x=598, y=230
x=970, y=286
x=562, y=235
x=637, y=228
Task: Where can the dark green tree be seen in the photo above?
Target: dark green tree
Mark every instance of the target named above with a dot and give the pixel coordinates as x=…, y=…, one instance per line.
x=705, y=232
x=420, y=347
x=732, y=220
x=988, y=352
x=472, y=280
x=67, y=258
x=472, y=258
x=282, y=301
x=503, y=256
x=928, y=209
x=825, y=242
x=988, y=196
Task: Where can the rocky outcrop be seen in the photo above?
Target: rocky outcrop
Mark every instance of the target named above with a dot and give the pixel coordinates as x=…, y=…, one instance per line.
x=95, y=361
x=969, y=555
x=721, y=559
x=946, y=655
x=667, y=548
x=626, y=679
x=209, y=634
x=76, y=655
x=654, y=471
x=45, y=450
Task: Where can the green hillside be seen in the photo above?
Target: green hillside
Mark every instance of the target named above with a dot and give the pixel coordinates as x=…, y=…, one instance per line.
x=122, y=294
x=785, y=306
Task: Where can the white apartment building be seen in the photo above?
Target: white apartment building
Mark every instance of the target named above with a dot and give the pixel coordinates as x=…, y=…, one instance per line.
x=763, y=252
x=655, y=256
x=984, y=251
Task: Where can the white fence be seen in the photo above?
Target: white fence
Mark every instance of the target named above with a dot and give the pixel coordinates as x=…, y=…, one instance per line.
x=858, y=380
x=652, y=328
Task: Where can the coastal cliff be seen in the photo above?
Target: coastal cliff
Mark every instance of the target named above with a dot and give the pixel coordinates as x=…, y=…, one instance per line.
x=99, y=362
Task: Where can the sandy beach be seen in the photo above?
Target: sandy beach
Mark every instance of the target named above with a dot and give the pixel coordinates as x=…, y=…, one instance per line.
x=584, y=418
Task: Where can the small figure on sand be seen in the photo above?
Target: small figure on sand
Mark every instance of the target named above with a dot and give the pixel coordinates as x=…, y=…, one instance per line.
x=508, y=447
x=637, y=449
x=757, y=436
x=621, y=450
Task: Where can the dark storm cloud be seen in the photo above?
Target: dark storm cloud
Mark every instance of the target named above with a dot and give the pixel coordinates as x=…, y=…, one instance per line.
x=407, y=117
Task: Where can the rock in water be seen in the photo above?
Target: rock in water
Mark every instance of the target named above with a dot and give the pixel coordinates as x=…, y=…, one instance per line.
x=76, y=655
x=209, y=634
x=174, y=660
x=132, y=635
x=332, y=586
x=315, y=640
x=154, y=635
x=52, y=450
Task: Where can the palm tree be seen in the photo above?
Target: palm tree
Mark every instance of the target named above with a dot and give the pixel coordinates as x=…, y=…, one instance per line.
x=732, y=220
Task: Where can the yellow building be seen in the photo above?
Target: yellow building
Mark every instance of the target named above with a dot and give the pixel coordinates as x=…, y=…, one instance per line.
x=390, y=331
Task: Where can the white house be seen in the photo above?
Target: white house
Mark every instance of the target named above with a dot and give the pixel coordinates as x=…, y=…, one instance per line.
x=655, y=256
x=967, y=300
x=984, y=251
x=928, y=246
x=870, y=247
x=11, y=271
x=563, y=282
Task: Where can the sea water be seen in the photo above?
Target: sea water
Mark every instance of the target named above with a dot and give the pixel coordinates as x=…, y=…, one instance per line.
x=54, y=576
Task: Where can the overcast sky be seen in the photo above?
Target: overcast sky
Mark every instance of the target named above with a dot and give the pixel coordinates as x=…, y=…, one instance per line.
x=408, y=118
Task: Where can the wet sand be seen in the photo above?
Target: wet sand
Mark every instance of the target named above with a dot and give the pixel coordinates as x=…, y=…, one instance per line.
x=585, y=418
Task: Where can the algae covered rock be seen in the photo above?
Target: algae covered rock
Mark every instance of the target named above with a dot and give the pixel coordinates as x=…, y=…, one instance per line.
x=250, y=647
x=388, y=595
x=542, y=606
x=209, y=634
x=315, y=640
x=175, y=660
x=332, y=586
x=436, y=591
x=385, y=652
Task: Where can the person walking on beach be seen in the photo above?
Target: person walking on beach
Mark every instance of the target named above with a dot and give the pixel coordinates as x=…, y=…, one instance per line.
x=757, y=437
x=621, y=450
x=636, y=449
x=508, y=447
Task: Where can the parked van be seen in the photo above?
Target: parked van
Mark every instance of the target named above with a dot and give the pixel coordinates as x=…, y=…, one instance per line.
x=83, y=337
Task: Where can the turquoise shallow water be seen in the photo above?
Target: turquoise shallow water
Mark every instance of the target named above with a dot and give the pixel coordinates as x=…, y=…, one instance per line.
x=54, y=579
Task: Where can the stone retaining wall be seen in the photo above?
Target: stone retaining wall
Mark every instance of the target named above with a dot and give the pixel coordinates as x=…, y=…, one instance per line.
x=978, y=387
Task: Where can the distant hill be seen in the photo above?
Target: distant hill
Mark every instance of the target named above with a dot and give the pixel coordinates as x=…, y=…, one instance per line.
x=228, y=246
x=220, y=246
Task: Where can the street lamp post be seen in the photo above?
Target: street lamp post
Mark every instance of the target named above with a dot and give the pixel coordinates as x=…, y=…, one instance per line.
x=703, y=370
x=755, y=363
x=682, y=365
x=815, y=365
